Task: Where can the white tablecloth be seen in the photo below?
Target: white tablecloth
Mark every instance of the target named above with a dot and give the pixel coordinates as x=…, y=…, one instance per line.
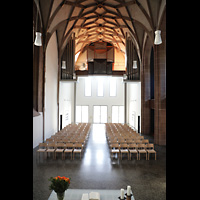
x=76, y=194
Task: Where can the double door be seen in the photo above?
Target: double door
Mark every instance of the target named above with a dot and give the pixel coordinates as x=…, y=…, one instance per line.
x=100, y=114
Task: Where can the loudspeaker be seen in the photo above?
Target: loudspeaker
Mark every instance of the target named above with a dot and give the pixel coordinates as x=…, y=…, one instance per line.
x=138, y=124
x=60, y=122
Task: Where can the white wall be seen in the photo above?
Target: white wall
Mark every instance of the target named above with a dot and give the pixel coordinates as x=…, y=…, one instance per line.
x=81, y=99
x=133, y=103
x=51, y=77
x=37, y=129
x=66, y=103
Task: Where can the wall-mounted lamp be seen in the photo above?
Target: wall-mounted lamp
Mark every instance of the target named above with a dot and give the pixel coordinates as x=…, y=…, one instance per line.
x=158, y=39
x=82, y=68
x=38, y=39
x=64, y=65
x=135, y=64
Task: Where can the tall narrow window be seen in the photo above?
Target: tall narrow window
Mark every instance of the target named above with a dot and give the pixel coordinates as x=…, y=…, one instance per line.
x=113, y=87
x=88, y=88
x=100, y=87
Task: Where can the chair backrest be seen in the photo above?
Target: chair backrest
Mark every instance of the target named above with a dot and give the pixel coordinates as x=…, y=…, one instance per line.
x=65, y=140
x=141, y=146
x=60, y=145
x=133, y=146
x=49, y=140
x=69, y=145
x=51, y=145
x=43, y=145
x=145, y=141
x=150, y=146
x=138, y=141
x=124, y=146
x=115, y=145
x=78, y=146
x=140, y=137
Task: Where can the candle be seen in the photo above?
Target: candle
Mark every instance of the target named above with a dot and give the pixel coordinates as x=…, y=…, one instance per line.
x=122, y=193
x=128, y=190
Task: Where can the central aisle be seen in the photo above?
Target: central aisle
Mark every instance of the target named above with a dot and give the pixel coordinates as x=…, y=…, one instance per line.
x=97, y=155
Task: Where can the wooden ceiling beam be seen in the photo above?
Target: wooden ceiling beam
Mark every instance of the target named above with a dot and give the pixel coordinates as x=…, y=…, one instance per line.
x=77, y=4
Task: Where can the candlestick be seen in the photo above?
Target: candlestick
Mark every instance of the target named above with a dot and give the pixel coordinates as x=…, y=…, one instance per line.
x=122, y=193
x=128, y=190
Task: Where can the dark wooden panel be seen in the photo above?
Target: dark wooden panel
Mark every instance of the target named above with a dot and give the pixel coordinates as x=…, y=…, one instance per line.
x=90, y=67
x=100, y=66
x=109, y=67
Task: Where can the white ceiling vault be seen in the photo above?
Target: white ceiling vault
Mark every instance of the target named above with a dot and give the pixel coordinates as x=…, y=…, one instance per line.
x=100, y=20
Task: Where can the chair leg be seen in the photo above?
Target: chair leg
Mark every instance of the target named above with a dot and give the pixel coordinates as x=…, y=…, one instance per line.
x=155, y=156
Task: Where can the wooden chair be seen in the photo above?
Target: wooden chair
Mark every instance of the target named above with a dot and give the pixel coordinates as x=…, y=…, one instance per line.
x=145, y=141
x=50, y=148
x=133, y=149
x=114, y=148
x=141, y=149
x=124, y=149
x=69, y=149
x=140, y=137
x=77, y=149
x=49, y=140
x=150, y=149
x=60, y=147
x=42, y=148
x=138, y=141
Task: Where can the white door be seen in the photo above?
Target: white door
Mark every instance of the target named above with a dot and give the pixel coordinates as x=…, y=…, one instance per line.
x=117, y=114
x=100, y=114
x=81, y=114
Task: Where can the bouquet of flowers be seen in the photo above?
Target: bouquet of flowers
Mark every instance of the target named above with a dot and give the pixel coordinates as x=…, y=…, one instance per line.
x=59, y=184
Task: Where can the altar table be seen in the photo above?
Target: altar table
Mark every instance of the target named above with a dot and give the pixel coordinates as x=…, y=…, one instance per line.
x=76, y=194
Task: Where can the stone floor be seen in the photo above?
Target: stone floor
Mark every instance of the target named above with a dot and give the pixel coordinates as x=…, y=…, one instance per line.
x=96, y=170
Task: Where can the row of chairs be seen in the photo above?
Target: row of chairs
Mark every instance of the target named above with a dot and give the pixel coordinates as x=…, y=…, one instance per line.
x=133, y=148
x=63, y=148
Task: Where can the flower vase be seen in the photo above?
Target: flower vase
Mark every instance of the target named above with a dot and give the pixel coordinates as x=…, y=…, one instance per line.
x=60, y=195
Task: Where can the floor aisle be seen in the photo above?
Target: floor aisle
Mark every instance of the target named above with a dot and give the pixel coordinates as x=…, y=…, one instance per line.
x=97, y=171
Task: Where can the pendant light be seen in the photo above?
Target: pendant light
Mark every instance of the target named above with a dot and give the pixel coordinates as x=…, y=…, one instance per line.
x=38, y=40
x=158, y=39
x=135, y=64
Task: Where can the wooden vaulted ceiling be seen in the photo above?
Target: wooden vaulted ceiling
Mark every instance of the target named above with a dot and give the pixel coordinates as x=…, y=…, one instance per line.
x=100, y=20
